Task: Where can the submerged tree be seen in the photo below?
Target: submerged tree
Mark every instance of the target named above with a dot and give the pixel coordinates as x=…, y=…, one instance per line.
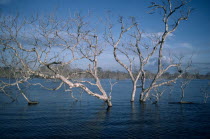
x=139, y=47
x=205, y=93
x=184, y=83
x=30, y=44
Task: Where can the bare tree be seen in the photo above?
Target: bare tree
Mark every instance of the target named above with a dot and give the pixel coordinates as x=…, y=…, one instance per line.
x=28, y=45
x=159, y=91
x=184, y=83
x=205, y=92
x=134, y=75
x=139, y=47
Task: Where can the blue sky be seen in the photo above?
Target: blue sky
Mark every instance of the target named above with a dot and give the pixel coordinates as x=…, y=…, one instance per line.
x=192, y=36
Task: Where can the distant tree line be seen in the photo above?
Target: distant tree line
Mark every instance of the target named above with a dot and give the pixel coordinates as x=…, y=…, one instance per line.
x=10, y=72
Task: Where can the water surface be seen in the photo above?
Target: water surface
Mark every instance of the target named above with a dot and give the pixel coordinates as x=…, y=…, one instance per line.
x=59, y=116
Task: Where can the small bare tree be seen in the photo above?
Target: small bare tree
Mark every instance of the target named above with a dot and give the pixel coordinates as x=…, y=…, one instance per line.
x=139, y=47
x=158, y=93
x=29, y=45
x=205, y=92
x=184, y=83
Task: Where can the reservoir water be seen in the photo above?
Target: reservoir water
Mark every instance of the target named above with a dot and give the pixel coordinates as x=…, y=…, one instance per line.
x=59, y=116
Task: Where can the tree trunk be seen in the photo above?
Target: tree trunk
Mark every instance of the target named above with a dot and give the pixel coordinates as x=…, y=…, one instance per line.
x=141, y=96
x=25, y=97
x=144, y=96
x=182, y=95
x=133, y=92
x=109, y=103
x=102, y=97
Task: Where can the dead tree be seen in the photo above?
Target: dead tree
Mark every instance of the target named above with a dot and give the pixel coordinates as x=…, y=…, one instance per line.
x=184, y=83
x=139, y=47
x=157, y=94
x=205, y=93
x=30, y=44
x=124, y=50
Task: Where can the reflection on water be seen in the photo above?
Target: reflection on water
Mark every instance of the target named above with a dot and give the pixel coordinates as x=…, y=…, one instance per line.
x=58, y=116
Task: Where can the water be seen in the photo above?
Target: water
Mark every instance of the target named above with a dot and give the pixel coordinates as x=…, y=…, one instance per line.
x=58, y=116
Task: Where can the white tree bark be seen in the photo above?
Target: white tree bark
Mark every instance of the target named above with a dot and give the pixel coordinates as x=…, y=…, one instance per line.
x=28, y=45
x=135, y=47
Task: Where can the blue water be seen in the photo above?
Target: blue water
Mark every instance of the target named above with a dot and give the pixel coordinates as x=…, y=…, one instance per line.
x=59, y=116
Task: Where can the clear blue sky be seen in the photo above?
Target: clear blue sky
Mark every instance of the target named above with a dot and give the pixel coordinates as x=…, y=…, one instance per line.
x=191, y=36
